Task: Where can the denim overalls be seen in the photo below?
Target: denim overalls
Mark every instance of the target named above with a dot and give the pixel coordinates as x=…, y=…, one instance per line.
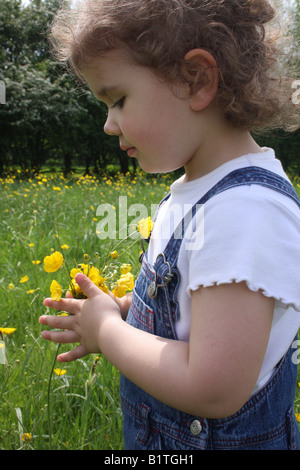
x=266, y=421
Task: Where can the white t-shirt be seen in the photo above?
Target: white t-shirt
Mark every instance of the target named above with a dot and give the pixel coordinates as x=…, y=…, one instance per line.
x=247, y=233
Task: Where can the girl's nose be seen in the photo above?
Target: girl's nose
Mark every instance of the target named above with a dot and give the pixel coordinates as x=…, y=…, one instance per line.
x=111, y=127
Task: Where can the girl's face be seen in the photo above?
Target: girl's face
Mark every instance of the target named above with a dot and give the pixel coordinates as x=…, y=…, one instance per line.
x=153, y=125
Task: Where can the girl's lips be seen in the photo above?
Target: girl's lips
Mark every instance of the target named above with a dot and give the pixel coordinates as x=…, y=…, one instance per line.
x=129, y=150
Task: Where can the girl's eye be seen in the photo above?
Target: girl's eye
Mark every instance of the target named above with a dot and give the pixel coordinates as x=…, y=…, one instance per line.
x=119, y=103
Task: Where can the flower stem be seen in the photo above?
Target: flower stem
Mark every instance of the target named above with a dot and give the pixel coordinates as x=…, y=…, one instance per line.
x=116, y=246
x=130, y=246
x=48, y=398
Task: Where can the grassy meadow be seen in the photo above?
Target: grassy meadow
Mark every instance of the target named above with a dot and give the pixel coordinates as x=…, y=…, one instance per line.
x=46, y=405
x=76, y=407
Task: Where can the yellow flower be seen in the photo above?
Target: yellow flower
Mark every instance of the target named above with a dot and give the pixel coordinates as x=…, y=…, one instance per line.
x=298, y=417
x=94, y=276
x=31, y=291
x=7, y=331
x=92, y=273
x=36, y=261
x=56, y=291
x=81, y=268
x=84, y=268
x=65, y=247
x=11, y=286
x=125, y=283
x=114, y=254
x=125, y=268
x=98, y=280
x=26, y=437
x=103, y=287
x=59, y=372
x=145, y=226
x=74, y=271
x=119, y=291
x=24, y=279
x=74, y=288
x=31, y=245
x=53, y=262
x=126, y=280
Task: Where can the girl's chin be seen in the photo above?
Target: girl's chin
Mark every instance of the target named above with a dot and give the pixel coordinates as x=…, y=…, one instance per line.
x=149, y=166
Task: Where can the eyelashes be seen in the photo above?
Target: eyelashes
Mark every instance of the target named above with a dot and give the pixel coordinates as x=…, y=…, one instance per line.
x=119, y=103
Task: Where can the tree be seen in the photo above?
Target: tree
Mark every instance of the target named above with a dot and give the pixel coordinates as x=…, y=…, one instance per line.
x=49, y=118
x=47, y=115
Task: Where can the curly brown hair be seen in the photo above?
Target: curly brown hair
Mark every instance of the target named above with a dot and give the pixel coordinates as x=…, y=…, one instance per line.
x=255, y=89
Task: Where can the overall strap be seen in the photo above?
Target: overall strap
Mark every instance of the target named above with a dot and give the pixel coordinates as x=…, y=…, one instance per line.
x=241, y=177
x=159, y=206
x=147, y=240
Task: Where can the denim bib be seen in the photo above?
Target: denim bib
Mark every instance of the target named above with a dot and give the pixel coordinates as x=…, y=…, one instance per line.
x=266, y=421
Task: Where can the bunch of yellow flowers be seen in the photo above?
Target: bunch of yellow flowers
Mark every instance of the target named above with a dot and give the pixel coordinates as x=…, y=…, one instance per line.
x=118, y=280
x=119, y=287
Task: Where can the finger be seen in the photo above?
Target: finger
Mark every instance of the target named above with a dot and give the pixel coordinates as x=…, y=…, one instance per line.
x=68, y=305
x=68, y=295
x=76, y=353
x=61, y=322
x=87, y=286
x=61, y=337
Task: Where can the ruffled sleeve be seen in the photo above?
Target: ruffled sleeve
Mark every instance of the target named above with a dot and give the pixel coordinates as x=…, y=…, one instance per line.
x=251, y=234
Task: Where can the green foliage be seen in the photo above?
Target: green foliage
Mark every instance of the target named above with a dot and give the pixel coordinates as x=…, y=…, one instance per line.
x=51, y=118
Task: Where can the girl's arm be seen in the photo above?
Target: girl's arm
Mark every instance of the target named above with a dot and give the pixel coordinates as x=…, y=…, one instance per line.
x=213, y=375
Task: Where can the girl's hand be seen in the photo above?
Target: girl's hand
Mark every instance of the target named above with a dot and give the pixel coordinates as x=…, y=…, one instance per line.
x=84, y=323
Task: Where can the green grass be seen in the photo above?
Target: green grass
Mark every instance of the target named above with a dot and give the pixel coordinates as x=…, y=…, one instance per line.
x=80, y=409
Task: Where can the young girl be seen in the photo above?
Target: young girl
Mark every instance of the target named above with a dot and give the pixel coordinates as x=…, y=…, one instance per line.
x=206, y=353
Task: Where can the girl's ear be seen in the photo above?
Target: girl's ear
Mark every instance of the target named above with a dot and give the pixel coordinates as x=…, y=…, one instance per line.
x=201, y=71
